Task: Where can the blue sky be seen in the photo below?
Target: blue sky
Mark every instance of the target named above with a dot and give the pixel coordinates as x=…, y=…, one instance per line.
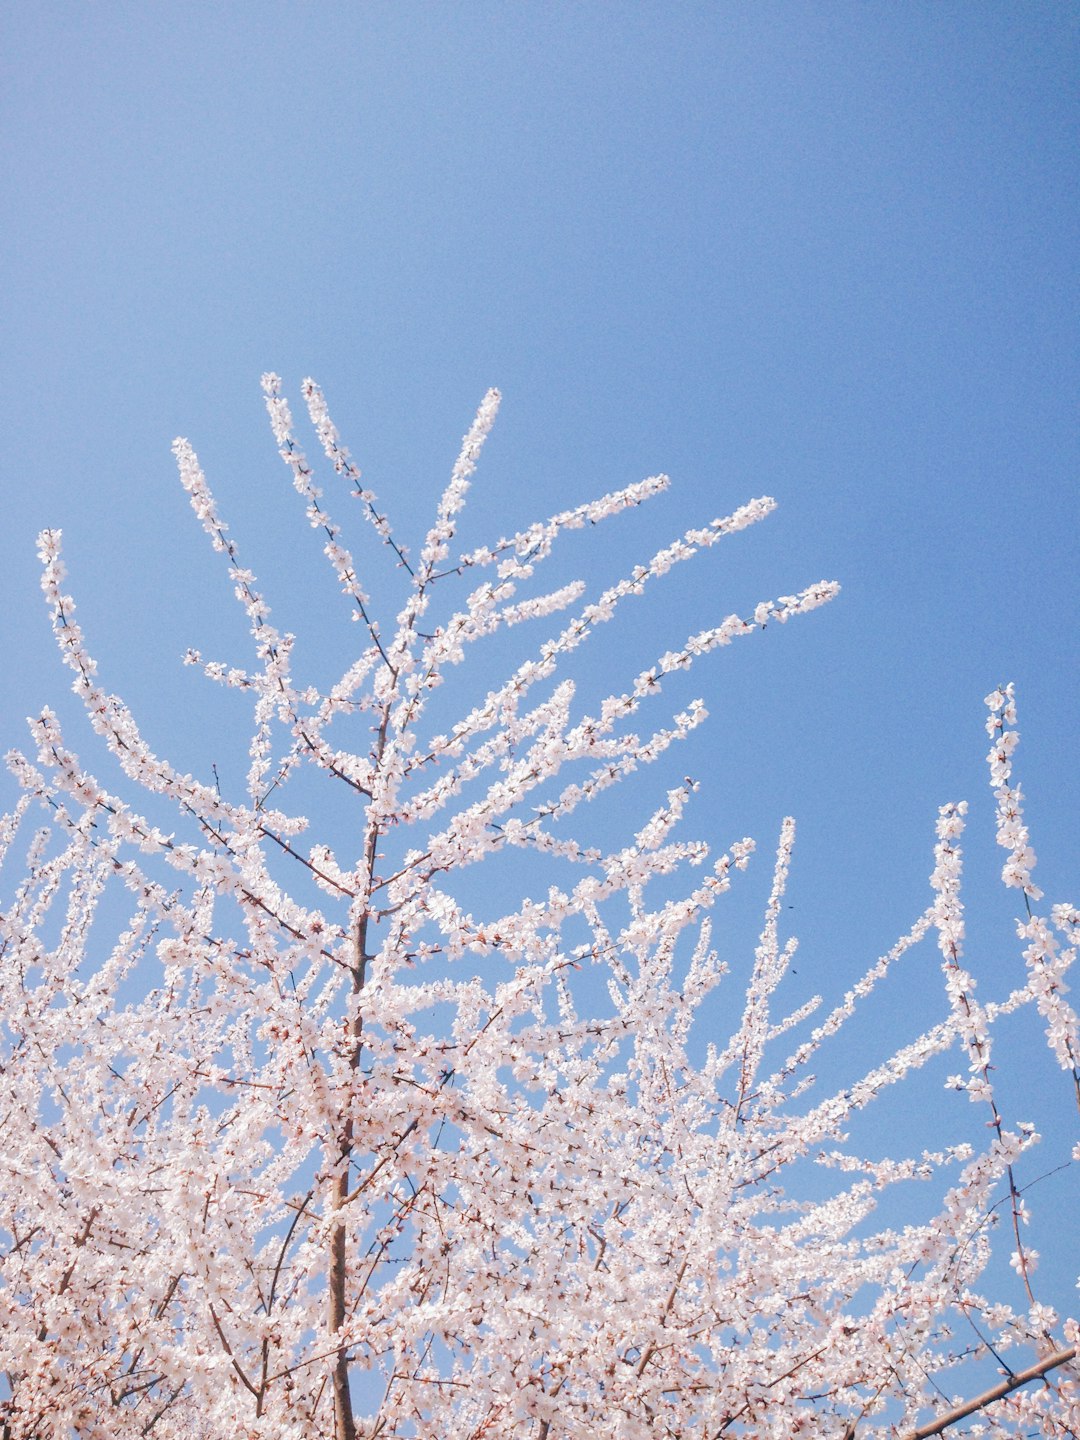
x=826, y=252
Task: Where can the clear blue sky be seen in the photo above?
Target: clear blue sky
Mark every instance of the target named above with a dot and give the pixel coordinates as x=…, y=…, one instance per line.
x=822, y=251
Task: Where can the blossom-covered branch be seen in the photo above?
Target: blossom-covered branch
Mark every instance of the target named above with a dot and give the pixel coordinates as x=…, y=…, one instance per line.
x=445, y=1121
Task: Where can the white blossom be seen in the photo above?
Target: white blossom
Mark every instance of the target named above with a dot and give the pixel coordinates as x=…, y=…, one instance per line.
x=309, y=1132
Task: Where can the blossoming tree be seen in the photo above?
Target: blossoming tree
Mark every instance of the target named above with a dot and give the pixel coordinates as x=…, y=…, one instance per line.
x=353, y=1154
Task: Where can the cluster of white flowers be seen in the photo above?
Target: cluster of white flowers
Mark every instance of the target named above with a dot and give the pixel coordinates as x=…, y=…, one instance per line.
x=1047, y=959
x=1012, y=833
x=341, y=460
x=368, y=1151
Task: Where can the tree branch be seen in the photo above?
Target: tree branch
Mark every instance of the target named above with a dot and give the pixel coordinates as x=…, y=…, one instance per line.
x=1022, y=1377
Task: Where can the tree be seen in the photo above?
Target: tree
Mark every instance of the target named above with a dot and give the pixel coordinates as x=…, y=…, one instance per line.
x=347, y=1158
